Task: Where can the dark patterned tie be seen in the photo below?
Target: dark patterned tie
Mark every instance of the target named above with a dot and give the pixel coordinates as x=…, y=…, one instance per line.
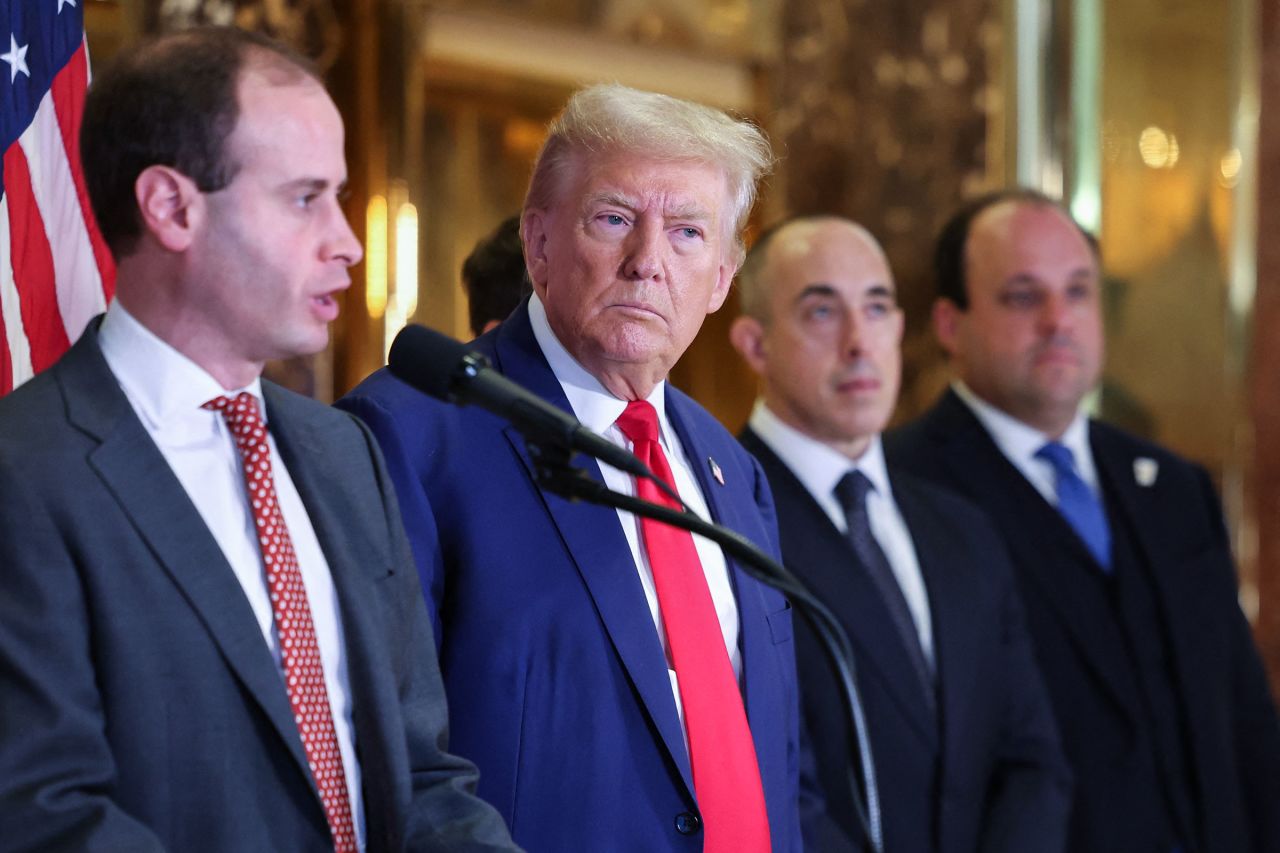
x=299, y=650
x=852, y=491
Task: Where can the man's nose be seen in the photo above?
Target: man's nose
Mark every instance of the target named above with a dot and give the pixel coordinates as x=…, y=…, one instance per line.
x=854, y=334
x=1055, y=313
x=644, y=252
x=343, y=244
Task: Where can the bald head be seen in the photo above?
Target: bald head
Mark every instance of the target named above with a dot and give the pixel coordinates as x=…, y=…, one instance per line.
x=822, y=327
x=785, y=241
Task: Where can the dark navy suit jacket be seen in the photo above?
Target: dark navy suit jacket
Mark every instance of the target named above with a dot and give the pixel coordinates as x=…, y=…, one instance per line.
x=558, y=687
x=140, y=708
x=1232, y=730
x=986, y=773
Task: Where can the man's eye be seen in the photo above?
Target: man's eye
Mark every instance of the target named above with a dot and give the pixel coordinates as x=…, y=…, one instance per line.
x=1079, y=292
x=690, y=233
x=613, y=219
x=1019, y=299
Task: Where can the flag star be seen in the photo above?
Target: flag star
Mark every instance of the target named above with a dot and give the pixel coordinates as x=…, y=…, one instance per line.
x=62, y=3
x=17, y=59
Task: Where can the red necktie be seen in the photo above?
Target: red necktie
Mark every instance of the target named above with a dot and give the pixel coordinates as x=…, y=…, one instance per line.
x=304, y=674
x=726, y=777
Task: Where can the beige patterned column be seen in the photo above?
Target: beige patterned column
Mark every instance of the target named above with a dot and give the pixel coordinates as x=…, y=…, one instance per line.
x=889, y=113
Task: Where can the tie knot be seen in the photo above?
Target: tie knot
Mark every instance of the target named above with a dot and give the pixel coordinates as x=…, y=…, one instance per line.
x=1058, y=455
x=241, y=412
x=639, y=422
x=852, y=491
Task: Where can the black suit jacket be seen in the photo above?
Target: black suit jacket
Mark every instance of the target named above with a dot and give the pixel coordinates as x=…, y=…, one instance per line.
x=140, y=708
x=985, y=774
x=1233, y=735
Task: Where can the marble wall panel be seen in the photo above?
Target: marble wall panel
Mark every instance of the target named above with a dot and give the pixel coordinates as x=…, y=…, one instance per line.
x=884, y=113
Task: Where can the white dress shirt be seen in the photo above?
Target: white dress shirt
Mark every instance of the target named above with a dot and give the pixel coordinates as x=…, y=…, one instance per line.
x=818, y=468
x=597, y=409
x=1020, y=442
x=166, y=390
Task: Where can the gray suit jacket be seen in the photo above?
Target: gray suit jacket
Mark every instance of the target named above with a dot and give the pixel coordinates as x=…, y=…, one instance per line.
x=139, y=706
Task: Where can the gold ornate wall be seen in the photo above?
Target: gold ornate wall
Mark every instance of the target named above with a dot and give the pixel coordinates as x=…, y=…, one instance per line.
x=889, y=113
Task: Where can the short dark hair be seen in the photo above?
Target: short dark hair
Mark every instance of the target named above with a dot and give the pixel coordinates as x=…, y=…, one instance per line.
x=948, y=253
x=494, y=275
x=171, y=102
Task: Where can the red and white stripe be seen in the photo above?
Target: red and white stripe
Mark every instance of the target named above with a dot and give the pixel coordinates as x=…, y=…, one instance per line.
x=55, y=270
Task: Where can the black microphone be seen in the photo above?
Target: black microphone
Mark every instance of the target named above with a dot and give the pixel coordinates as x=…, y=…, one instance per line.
x=438, y=365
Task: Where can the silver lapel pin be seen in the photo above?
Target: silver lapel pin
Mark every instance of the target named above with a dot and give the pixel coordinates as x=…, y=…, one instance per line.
x=1145, y=471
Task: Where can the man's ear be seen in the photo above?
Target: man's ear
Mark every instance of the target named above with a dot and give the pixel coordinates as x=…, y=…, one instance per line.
x=747, y=336
x=724, y=281
x=947, y=317
x=533, y=233
x=170, y=206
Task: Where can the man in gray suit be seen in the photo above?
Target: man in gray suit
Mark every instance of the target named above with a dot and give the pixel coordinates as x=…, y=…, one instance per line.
x=211, y=632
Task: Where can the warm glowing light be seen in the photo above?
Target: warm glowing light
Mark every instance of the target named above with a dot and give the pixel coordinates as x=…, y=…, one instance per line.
x=407, y=259
x=375, y=256
x=392, y=324
x=1159, y=150
x=1229, y=166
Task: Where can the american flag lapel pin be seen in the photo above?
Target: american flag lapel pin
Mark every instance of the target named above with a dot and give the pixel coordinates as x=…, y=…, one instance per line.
x=715, y=470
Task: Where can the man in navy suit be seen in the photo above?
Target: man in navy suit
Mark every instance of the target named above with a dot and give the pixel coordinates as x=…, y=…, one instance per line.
x=621, y=688
x=962, y=740
x=211, y=636
x=1119, y=546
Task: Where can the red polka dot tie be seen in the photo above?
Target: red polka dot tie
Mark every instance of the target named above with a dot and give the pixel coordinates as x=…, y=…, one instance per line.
x=304, y=674
x=726, y=776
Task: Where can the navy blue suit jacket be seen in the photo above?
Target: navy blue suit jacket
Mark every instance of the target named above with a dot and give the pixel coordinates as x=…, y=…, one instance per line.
x=986, y=773
x=140, y=708
x=558, y=687
x=1232, y=729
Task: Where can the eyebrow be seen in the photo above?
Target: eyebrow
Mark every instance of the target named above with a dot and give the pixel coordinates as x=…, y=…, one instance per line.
x=315, y=184
x=815, y=290
x=615, y=199
x=879, y=289
x=1027, y=278
x=687, y=210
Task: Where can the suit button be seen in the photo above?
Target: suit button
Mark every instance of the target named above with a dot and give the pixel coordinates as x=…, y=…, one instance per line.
x=688, y=823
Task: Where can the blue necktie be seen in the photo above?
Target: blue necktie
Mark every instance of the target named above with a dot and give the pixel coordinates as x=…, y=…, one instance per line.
x=851, y=492
x=1078, y=504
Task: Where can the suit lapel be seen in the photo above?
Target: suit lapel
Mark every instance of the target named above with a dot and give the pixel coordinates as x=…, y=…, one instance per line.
x=136, y=473
x=955, y=636
x=1115, y=466
x=355, y=563
x=753, y=624
x=832, y=571
x=1043, y=545
x=1132, y=505
x=595, y=541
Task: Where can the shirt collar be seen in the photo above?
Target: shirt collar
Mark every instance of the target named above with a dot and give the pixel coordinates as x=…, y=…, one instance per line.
x=1018, y=440
x=816, y=465
x=162, y=384
x=591, y=402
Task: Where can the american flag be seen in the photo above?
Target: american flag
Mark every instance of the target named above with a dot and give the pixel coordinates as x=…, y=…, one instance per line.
x=55, y=271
